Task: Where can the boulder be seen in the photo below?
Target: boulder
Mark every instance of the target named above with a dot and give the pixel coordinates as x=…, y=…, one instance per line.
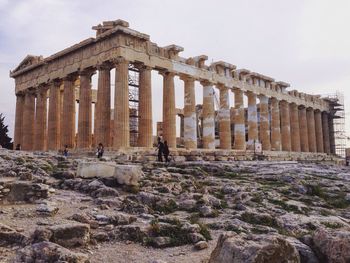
x=68, y=235
x=123, y=174
x=253, y=249
x=201, y=245
x=333, y=245
x=48, y=252
x=9, y=236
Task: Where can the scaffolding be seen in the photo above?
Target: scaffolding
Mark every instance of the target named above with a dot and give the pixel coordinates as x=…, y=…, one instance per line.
x=133, y=80
x=338, y=143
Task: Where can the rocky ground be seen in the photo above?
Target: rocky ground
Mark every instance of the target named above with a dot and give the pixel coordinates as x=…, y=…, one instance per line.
x=54, y=209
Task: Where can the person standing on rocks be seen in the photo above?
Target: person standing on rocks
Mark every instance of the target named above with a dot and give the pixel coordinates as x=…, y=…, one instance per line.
x=65, y=151
x=166, y=151
x=100, y=150
x=160, y=147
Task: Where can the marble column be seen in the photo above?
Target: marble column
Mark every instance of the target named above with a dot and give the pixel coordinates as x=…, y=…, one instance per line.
x=304, y=137
x=252, y=121
x=28, y=121
x=121, y=105
x=275, y=125
x=190, y=117
x=295, y=127
x=285, y=126
x=208, y=116
x=68, y=115
x=319, y=132
x=239, y=121
x=169, y=114
x=85, y=110
x=325, y=129
x=145, y=138
x=103, y=106
x=53, y=125
x=224, y=119
x=19, y=120
x=310, y=117
x=40, y=135
x=264, y=123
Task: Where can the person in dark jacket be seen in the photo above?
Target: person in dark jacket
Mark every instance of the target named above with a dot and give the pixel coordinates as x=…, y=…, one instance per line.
x=160, y=147
x=166, y=151
x=100, y=150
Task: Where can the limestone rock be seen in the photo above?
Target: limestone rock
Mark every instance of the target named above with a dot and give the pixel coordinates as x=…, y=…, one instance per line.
x=49, y=252
x=253, y=249
x=333, y=245
x=9, y=236
x=124, y=174
x=70, y=235
x=201, y=245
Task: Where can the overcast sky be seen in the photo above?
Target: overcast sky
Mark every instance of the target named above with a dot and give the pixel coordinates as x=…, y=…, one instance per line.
x=305, y=43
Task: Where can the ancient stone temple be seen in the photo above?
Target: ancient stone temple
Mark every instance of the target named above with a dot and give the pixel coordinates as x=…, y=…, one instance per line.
x=48, y=89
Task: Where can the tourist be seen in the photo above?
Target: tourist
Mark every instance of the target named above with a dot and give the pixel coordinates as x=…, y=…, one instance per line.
x=166, y=151
x=65, y=151
x=100, y=150
x=18, y=147
x=160, y=147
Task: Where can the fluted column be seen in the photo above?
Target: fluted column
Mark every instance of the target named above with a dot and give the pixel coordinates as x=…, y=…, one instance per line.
x=28, y=121
x=252, y=121
x=319, y=132
x=169, y=114
x=224, y=119
x=68, y=115
x=264, y=123
x=40, y=135
x=285, y=126
x=304, y=134
x=239, y=121
x=85, y=112
x=325, y=129
x=208, y=116
x=103, y=106
x=275, y=125
x=19, y=120
x=190, y=117
x=310, y=116
x=121, y=105
x=53, y=125
x=295, y=127
x=145, y=138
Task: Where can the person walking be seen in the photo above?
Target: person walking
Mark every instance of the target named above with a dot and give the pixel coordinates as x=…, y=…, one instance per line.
x=166, y=151
x=160, y=147
x=100, y=150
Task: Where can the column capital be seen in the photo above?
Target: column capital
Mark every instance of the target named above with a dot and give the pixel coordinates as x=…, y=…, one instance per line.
x=88, y=72
x=206, y=83
x=166, y=72
x=221, y=86
x=250, y=93
x=106, y=65
x=71, y=77
x=119, y=60
x=141, y=66
x=43, y=87
x=55, y=82
x=185, y=77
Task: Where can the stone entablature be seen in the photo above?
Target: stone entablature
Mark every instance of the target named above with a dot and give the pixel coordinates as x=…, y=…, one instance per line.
x=121, y=41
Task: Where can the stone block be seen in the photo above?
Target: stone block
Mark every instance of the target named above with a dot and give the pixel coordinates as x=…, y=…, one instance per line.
x=124, y=174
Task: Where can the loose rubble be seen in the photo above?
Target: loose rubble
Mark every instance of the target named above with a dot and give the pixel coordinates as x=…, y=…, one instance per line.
x=55, y=209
